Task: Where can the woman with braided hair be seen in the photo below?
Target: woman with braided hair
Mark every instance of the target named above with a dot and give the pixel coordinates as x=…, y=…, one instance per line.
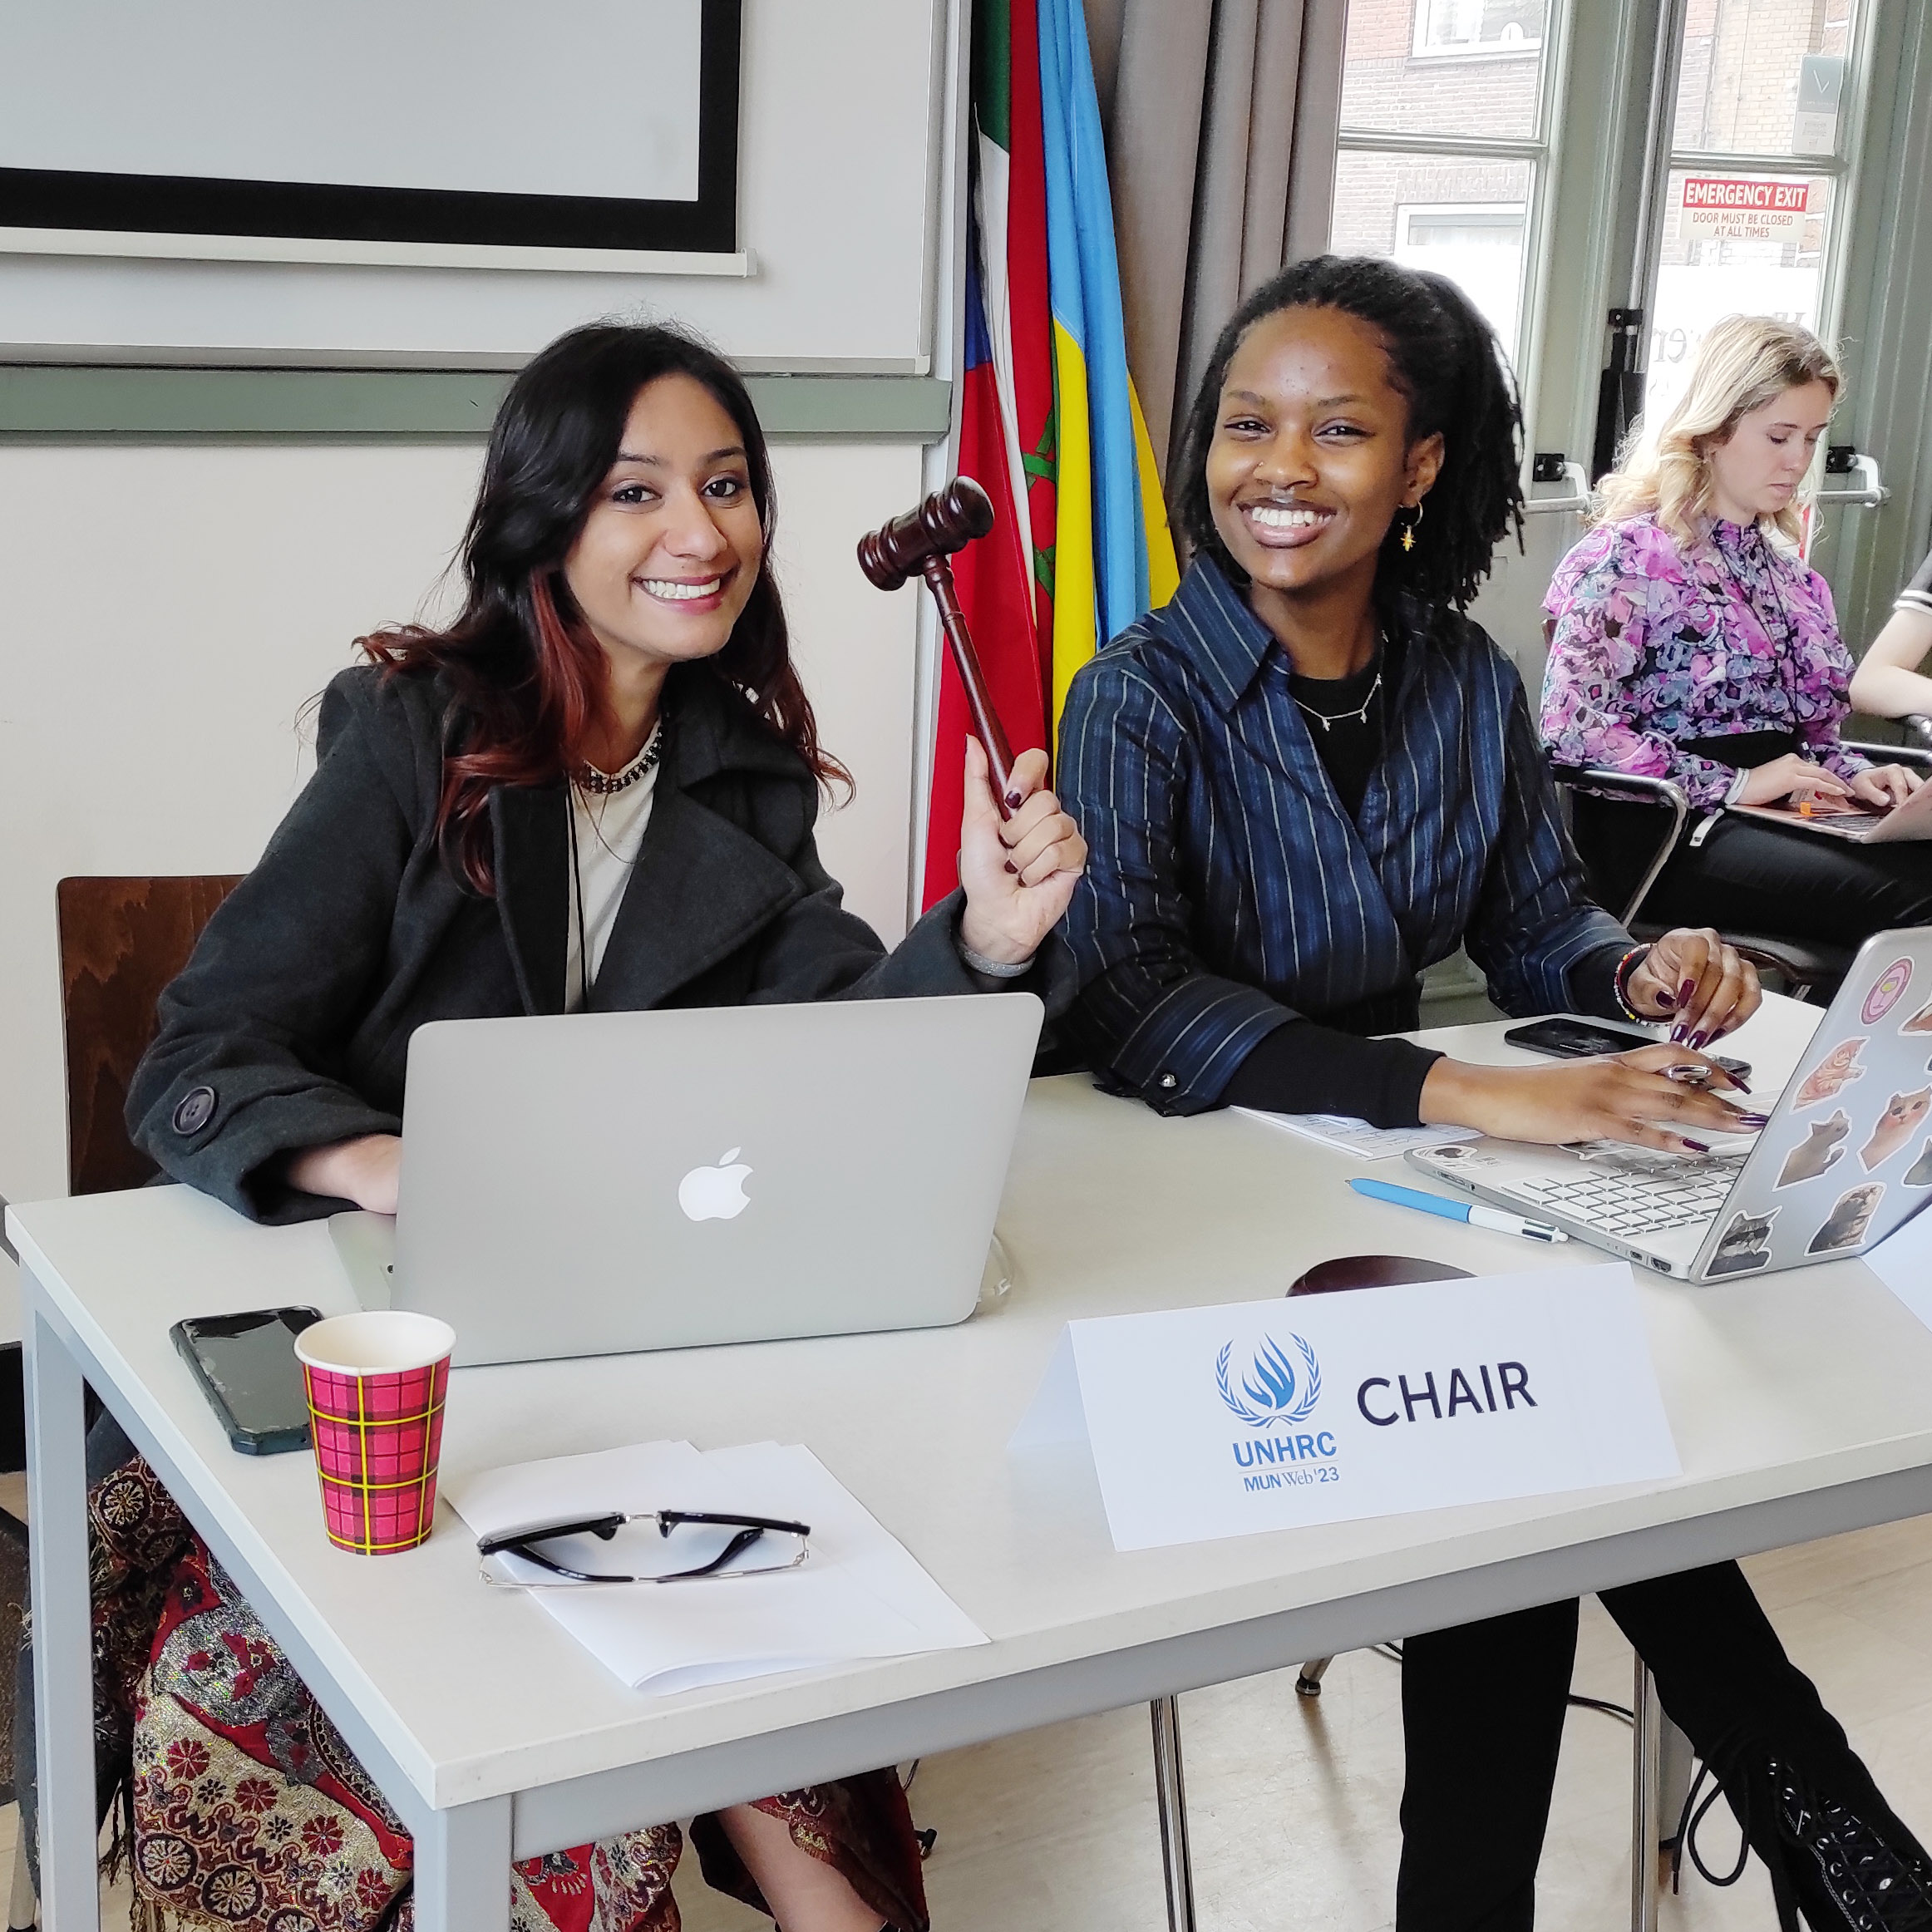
x=1304, y=781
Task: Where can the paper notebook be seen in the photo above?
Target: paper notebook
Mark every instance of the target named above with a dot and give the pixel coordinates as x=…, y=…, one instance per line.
x=1347, y=1134
x=859, y=1594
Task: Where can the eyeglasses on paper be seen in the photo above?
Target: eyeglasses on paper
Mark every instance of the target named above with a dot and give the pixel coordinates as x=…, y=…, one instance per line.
x=687, y=1527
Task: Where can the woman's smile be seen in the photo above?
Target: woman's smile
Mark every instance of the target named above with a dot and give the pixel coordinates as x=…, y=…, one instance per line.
x=1286, y=526
x=698, y=595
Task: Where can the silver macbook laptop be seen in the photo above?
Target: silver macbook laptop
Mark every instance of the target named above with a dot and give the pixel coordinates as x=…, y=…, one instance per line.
x=593, y=1183
x=1863, y=825
x=1846, y=1158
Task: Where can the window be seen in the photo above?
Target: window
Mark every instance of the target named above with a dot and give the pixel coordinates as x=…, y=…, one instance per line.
x=1412, y=182
x=1477, y=245
x=1753, y=202
x=1486, y=26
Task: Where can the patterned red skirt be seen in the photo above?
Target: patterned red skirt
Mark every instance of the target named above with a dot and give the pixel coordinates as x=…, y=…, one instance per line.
x=245, y=1810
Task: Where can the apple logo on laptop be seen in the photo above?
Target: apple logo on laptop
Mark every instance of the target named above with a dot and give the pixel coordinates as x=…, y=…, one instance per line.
x=715, y=1194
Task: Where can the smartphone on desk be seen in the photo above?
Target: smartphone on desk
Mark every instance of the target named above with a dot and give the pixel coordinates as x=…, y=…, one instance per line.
x=247, y=1368
x=1565, y=1038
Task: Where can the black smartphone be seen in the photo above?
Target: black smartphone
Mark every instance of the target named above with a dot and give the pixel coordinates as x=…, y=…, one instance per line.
x=247, y=1368
x=1571, y=1039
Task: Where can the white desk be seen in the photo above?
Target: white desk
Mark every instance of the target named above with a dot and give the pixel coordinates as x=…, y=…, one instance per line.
x=1800, y=1405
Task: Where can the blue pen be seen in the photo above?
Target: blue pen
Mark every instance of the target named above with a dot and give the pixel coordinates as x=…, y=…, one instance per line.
x=1459, y=1210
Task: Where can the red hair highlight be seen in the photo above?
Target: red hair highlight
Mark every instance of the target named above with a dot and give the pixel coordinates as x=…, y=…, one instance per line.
x=527, y=734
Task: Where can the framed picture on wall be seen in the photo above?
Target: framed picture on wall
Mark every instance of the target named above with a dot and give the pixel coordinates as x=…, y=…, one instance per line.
x=588, y=134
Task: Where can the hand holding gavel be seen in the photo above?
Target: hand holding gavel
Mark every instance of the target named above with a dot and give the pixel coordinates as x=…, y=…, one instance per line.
x=1018, y=876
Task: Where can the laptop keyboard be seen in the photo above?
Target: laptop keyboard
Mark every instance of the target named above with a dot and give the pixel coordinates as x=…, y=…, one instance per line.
x=1619, y=1204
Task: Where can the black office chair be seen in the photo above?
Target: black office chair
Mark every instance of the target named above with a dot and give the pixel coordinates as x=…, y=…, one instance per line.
x=1802, y=964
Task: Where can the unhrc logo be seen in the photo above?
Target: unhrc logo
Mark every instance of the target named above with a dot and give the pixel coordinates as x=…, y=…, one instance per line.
x=1267, y=1393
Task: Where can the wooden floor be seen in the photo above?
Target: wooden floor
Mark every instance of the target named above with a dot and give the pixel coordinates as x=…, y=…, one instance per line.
x=1293, y=1802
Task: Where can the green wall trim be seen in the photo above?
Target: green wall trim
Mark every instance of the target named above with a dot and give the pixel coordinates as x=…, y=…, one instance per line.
x=43, y=402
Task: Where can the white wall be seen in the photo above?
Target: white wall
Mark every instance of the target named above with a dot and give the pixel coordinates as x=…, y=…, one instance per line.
x=840, y=137
x=164, y=612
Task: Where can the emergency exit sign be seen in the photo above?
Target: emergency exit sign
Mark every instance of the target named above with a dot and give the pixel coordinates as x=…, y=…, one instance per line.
x=1733, y=207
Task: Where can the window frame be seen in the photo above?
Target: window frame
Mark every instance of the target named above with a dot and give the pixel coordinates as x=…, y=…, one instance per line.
x=1542, y=149
x=1842, y=167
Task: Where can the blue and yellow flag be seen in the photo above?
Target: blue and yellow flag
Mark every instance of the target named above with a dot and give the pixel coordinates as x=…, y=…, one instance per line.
x=1113, y=557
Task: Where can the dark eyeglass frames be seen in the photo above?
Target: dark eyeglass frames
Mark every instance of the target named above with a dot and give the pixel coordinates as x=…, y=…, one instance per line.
x=747, y=1530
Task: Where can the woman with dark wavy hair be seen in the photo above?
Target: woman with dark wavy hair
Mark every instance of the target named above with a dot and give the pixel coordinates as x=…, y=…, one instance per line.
x=1306, y=779
x=595, y=789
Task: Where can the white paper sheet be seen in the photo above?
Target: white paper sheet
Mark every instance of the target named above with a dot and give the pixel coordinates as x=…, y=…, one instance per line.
x=1902, y=1262
x=859, y=1594
x=1347, y=1135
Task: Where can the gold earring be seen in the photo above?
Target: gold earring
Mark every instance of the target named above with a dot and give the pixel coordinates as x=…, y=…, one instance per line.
x=1409, y=528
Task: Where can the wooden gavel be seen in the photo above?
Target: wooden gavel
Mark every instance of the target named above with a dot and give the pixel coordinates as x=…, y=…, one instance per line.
x=921, y=541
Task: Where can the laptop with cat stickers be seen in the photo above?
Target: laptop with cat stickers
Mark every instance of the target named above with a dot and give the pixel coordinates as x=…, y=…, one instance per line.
x=1846, y=1156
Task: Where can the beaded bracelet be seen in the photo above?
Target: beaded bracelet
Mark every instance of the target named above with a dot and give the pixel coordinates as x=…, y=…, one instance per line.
x=1620, y=980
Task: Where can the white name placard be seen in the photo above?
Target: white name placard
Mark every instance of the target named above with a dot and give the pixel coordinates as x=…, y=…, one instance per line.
x=1223, y=1422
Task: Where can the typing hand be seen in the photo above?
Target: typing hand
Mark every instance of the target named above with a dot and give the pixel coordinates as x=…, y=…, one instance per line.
x=1796, y=782
x=1622, y=1097
x=1019, y=874
x=1693, y=979
x=1885, y=786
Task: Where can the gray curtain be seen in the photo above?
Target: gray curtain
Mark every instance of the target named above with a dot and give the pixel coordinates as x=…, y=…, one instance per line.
x=1220, y=119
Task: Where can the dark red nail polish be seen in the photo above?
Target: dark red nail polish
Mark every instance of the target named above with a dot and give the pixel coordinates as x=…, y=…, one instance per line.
x=1015, y=799
x=1685, y=991
x=1696, y=1146
x=1677, y=1034
x=1012, y=868
x=1754, y=1120
x=1697, y=1040
x=1666, y=1002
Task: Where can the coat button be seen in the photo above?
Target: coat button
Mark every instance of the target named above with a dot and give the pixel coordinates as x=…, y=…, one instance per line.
x=1167, y=1080
x=195, y=1111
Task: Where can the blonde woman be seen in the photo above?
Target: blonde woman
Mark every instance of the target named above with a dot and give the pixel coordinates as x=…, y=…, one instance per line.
x=1690, y=641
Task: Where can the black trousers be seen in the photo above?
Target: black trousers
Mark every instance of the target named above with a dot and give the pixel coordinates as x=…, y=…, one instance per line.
x=1751, y=877
x=1482, y=1719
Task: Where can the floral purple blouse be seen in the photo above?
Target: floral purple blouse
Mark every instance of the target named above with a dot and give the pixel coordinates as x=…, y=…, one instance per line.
x=1652, y=643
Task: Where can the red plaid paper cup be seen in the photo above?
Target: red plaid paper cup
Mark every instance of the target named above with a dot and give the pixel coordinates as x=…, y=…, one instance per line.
x=377, y=1383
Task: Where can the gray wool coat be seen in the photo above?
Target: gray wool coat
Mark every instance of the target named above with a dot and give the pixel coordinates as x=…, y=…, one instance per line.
x=290, y=1025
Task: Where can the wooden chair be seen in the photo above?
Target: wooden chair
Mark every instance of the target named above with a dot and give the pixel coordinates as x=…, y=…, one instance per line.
x=122, y=941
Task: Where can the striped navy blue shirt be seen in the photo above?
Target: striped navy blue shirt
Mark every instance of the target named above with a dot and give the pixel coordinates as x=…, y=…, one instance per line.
x=1227, y=891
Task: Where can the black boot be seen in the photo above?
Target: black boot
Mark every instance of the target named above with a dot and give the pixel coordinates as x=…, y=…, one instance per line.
x=1841, y=1869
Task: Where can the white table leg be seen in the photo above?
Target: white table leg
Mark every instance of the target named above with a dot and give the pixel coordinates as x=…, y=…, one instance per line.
x=462, y=1870
x=1170, y=1800
x=63, y=1680
x=1646, y=1817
